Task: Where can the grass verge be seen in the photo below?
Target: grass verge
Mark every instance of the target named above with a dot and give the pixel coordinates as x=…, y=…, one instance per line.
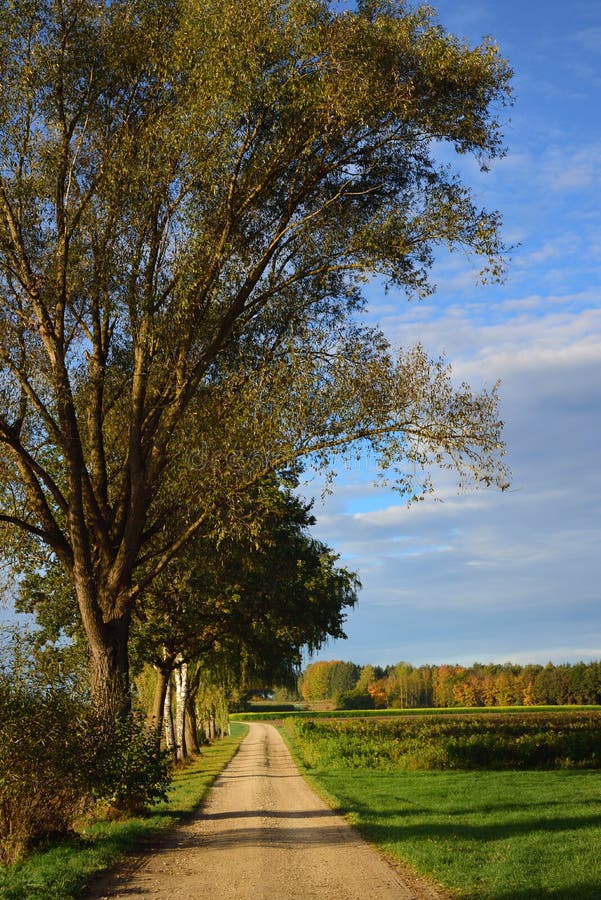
x=501, y=835
x=61, y=871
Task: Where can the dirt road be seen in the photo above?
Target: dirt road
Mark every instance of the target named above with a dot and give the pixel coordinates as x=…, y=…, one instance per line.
x=263, y=833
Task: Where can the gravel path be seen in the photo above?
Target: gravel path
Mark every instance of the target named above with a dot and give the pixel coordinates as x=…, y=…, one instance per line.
x=262, y=833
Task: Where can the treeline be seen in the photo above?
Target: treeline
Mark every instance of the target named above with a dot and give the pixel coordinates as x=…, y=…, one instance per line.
x=399, y=686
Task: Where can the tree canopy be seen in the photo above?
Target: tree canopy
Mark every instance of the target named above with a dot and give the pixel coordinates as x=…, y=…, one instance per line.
x=258, y=599
x=191, y=201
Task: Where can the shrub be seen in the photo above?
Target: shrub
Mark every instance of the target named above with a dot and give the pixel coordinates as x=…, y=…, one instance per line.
x=123, y=764
x=58, y=757
x=354, y=700
x=42, y=787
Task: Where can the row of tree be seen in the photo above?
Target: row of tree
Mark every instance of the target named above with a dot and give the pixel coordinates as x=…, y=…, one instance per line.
x=191, y=201
x=403, y=685
x=232, y=615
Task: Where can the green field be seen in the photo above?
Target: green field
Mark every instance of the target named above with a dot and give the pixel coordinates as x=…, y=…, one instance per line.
x=522, y=741
x=503, y=834
x=265, y=716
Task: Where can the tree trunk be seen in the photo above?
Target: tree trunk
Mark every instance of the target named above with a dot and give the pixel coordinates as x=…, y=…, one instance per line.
x=155, y=719
x=191, y=727
x=211, y=725
x=167, y=718
x=181, y=694
x=108, y=659
x=192, y=742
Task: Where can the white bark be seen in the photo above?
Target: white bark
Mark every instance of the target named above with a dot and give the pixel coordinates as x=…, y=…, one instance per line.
x=168, y=719
x=181, y=695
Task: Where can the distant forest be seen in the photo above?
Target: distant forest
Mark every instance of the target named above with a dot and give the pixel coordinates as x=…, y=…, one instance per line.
x=349, y=686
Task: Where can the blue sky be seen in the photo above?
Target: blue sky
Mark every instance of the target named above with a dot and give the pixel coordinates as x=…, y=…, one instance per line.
x=514, y=576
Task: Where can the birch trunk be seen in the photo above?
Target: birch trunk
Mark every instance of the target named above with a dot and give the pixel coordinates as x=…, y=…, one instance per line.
x=181, y=694
x=168, y=719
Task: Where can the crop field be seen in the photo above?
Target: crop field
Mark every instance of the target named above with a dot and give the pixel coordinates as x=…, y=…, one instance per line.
x=532, y=740
x=265, y=715
x=504, y=807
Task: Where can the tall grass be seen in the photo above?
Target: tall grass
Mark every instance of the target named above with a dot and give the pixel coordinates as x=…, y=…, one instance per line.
x=539, y=740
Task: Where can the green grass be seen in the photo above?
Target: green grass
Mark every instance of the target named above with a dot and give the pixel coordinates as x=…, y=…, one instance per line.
x=393, y=713
x=61, y=871
x=501, y=835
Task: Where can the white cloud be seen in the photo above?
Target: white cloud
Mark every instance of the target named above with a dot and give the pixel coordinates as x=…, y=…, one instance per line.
x=571, y=168
x=441, y=577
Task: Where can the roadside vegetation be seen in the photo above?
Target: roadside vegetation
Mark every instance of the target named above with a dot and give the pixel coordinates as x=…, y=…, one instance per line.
x=60, y=869
x=481, y=824
x=77, y=787
x=59, y=759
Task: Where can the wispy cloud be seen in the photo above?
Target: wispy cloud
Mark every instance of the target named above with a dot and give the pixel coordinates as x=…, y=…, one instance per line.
x=441, y=575
x=571, y=168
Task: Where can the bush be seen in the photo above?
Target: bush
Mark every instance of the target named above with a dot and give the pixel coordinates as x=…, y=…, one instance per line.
x=124, y=767
x=354, y=700
x=42, y=786
x=58, y=757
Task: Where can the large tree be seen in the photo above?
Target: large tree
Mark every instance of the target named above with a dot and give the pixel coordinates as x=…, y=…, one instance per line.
x=190, y=201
